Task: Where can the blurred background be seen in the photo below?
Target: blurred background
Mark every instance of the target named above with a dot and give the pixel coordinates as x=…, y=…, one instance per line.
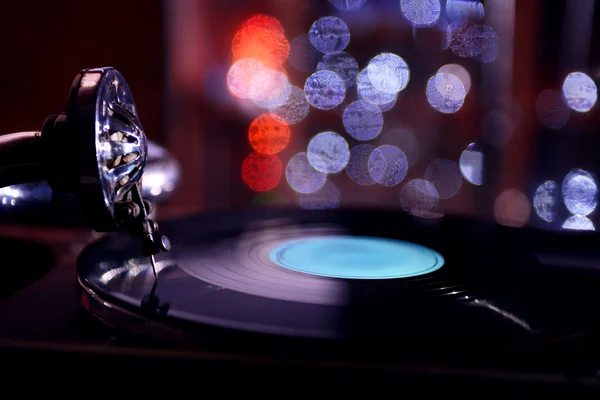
x=434, y=107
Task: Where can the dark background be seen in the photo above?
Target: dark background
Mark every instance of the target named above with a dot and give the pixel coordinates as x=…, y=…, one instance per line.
x=167, y=51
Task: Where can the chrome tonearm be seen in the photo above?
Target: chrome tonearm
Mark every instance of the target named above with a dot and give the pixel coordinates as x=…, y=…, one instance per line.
x=95, y=149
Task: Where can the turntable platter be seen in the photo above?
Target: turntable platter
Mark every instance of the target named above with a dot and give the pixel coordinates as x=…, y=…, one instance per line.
x=363, y=276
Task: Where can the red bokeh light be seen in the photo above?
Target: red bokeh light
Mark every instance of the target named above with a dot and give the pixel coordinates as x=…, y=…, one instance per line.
x=261, y=38
x=262, y=172
x=269, y=134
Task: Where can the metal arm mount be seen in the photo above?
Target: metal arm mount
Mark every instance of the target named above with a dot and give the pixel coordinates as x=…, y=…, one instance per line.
x=95, y=149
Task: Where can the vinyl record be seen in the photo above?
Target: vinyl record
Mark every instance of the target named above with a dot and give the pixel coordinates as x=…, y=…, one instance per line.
x=348, y=275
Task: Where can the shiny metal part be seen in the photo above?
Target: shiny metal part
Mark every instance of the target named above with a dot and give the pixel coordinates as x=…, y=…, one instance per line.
x=108, y=147
x=36, y=202
x=95, y=149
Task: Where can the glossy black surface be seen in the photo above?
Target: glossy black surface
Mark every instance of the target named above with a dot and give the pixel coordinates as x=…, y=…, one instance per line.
x=500, y=287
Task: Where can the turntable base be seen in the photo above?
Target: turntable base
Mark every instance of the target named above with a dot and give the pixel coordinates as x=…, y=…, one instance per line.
x=44, y=327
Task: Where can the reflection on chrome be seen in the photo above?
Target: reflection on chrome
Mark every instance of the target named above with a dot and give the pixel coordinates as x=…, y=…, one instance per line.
x=9, y=194
x=130, y=270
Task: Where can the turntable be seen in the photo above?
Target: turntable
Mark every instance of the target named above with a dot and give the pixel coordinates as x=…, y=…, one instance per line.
x=310, y=296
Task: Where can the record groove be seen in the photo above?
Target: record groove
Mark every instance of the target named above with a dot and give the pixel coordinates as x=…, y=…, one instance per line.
x=220, y=274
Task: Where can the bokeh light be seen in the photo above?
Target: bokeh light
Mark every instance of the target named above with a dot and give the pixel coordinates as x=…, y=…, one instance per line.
x=269, y=88
x=580, y=192
x=460, y=10
x=301, y=175
x=329, y=34
x=545, y=201
x=421, y=13
x=512, y=208
x=347, y=5
x=454, y=37
x=326, y=197
x=471, y=164
x=261, y=38
x=479, y=42
x=325, y=90
x=578, y=223
x=362, y=120
x=303, y=55
x=269, y=134
x=445, y=93
x=405, y=140
x=358, y=165
x=241, y=75
x=343, y=64
x=551, y=109
x=445, y=176
x=498, y=127
x=388, y=106
x=418, y=197
x=580, y=91
x=295, y=108
x=262, y=172
x=330, y=71
x=366, y=91
x=388, y=73
x=460, y=72
x=387, y=165
x=328, y=152
x=483, y=43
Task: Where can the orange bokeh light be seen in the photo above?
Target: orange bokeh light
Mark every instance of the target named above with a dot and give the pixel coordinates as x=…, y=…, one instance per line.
x=261, y=38
x=262, y=172
x=269, y=134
